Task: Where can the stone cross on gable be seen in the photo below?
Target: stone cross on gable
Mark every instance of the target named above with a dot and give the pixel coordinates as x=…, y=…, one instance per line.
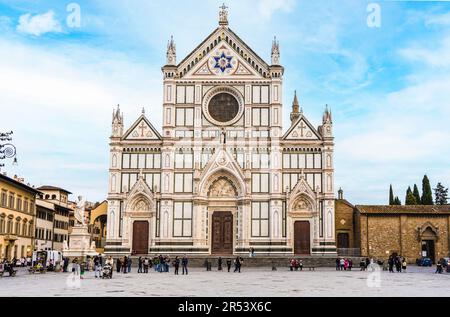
x=302, y=127
x=143, y=127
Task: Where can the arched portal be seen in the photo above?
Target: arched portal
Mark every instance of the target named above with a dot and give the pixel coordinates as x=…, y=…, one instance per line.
x=222, y=190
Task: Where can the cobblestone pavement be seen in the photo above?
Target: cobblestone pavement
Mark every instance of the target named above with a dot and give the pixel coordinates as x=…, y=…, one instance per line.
x=252, y=282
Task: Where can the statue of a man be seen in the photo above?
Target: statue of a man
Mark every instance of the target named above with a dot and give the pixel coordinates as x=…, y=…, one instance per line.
x=79, y=211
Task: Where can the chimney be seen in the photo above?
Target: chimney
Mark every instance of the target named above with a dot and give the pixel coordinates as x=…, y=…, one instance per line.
x=340, y=194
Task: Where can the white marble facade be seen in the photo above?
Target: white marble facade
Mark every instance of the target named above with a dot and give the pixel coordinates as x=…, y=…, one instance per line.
x=222, y=177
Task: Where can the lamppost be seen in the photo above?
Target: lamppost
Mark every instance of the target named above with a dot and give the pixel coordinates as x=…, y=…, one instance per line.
x=7, y=150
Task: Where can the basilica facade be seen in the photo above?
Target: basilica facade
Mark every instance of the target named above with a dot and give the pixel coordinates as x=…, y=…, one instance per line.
x=221, y=177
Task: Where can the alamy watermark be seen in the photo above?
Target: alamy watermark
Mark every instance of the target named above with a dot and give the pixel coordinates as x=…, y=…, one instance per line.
x=374, y=15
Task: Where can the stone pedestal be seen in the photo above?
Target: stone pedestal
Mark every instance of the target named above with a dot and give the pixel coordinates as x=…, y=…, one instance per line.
x=80, y=244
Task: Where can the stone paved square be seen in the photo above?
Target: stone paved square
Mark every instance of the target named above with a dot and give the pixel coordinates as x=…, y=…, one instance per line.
x=252, y=282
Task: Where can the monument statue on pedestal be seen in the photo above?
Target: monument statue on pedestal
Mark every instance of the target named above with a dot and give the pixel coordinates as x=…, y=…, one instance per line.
x=80, y=240
x=79, y=212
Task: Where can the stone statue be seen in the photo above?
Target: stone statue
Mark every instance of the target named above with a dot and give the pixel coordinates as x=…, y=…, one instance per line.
x=65, y=245
x=79, y=212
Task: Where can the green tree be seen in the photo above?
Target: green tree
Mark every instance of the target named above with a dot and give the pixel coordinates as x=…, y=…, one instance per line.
x=427, y=195
x=410, y=199
x=417, y=195
x=391, y=196
x=441, y=194
x=397, y=201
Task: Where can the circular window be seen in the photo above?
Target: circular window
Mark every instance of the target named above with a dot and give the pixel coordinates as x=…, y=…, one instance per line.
x=223, y=107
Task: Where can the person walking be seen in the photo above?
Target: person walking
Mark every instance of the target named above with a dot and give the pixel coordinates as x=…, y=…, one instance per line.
x=176, y=265
x=66, y=264
x=300, y=265
x=184, y=264
x=118, y=265
x=97, y=267
x=146, y=263
x=125, y=265
x=140, y=265
x=129, y=264
x=228, y=265
x=404, y=264
x=362, y=265
x=219, y=264
x=438, y=267
x=342, y=264
x=75, y=266
x=110, y=261
x=350, y=264
x=237, y=265
x=338, y=264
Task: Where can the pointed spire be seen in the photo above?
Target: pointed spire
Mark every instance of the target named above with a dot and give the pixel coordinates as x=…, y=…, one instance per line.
x=171, y=56
x=117, y=115
x=327, y=115
x=295, y=114
x=275, y=51
x=143, y=111
x=223, y=15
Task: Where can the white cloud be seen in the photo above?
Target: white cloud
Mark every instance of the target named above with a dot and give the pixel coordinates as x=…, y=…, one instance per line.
x=438, y=19
x=420, y=52
x=268, y=7
x=39, y=24
x=59, y=104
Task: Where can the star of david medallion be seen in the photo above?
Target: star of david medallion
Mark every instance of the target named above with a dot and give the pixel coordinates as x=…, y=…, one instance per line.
x=223, y=62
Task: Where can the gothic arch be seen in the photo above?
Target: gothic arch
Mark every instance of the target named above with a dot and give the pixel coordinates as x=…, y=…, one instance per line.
x=224, y=174
x=302, y=203
x=140, y=202
x=222, y=187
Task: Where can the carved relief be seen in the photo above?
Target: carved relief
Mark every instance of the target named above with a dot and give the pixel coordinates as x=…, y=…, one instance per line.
x=301, y=204
x=222, y=187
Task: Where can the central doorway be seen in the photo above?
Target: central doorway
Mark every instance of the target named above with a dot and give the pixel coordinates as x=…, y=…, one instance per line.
x=302, y=238
x=140, y=237
x=222, y=232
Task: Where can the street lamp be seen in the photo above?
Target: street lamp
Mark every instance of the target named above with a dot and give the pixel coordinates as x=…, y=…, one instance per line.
x=7, y=150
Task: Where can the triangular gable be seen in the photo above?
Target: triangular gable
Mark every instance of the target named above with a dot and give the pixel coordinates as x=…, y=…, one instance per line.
x=302, y=129
x=302, y=187
x=223, y=61
x=194, y=63
x=140, y=189
x=222, y=160
x=142, y=130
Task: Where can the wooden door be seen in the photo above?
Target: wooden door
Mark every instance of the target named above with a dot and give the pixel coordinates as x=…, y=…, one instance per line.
x=302, y=238
x=343, y=241
x=222, y=233
x=140, y=237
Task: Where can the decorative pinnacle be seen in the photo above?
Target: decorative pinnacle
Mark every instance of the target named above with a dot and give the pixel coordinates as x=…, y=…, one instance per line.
x=223, y=15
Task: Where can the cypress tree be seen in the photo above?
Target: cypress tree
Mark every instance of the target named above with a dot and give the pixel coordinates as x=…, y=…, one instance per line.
x=441, y=194
x=391, y=196
x=397, y=201
x=417, y=195
x=427, y=196
x=410, y=199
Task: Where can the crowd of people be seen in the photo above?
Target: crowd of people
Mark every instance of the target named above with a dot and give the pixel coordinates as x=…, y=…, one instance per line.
x=398, y=262
x=162, y=264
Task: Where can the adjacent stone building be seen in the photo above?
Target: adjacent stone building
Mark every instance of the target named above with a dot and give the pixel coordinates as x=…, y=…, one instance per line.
x=378, y=231
x=411, y=231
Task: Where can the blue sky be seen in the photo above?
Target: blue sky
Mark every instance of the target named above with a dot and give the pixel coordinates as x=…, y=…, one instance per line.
x=388, y=87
